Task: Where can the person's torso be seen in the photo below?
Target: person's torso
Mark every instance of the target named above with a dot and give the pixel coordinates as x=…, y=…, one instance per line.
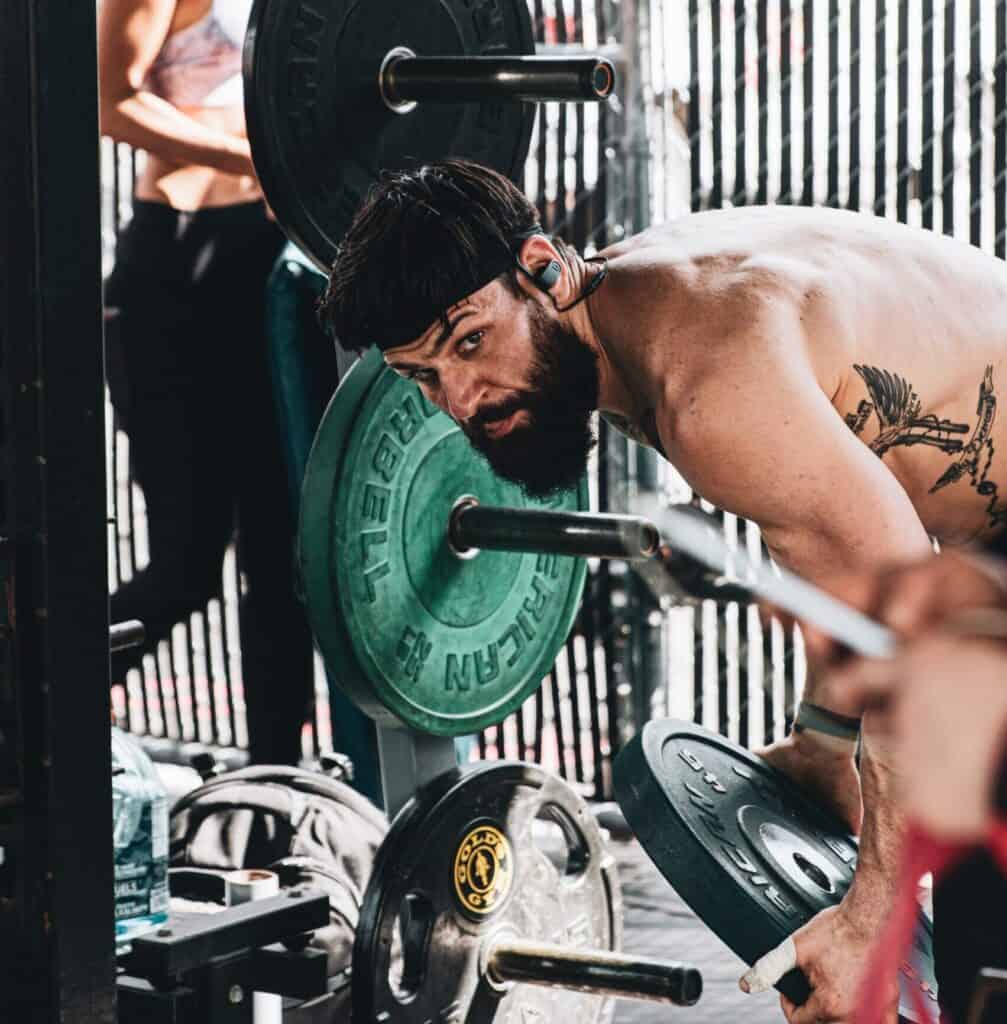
x=198, y=70
x=199, y=64
x=906, y=331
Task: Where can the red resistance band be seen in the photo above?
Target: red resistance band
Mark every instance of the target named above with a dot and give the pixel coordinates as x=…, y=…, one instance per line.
x=921, y=853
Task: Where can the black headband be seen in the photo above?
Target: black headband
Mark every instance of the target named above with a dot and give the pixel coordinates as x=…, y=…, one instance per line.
x=497, y=261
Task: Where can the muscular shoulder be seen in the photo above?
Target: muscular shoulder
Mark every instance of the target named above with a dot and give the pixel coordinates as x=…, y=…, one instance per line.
x=753, y=381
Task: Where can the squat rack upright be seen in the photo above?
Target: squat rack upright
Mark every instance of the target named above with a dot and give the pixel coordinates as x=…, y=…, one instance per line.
x=56, y=929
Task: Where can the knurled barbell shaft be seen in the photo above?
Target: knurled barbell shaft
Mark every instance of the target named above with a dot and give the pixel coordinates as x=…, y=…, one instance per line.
x=407, y=79
x=601, y=973
x=585, y=534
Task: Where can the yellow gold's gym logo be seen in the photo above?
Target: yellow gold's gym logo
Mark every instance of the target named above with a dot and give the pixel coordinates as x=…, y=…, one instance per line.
x=484, y=870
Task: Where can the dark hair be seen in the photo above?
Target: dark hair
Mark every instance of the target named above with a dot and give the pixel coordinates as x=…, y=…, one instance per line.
x=422, y=240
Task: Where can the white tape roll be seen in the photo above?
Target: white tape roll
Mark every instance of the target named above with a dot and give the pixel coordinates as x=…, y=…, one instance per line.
x=246, y=887
x=768, y=970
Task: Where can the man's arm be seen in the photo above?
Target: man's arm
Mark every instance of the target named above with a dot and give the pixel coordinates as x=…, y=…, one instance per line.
x=761, y=439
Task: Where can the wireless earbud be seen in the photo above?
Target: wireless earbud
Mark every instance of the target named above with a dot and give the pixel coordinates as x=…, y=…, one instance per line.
x=547, y=276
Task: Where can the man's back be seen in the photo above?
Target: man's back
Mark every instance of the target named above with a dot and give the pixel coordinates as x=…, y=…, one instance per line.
x=904, y=331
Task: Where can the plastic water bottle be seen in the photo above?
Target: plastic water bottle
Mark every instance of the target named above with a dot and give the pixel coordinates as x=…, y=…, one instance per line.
x=140, y=839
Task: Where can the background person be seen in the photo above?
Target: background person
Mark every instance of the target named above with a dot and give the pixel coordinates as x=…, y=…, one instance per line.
x=194, y=392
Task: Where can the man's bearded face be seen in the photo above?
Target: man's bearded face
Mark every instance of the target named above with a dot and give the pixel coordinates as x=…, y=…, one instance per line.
x=547, y=451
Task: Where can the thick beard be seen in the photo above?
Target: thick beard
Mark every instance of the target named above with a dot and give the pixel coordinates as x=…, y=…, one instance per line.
x=548, y=454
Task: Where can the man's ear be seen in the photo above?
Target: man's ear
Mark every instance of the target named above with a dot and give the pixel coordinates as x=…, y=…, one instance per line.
x=541, y=266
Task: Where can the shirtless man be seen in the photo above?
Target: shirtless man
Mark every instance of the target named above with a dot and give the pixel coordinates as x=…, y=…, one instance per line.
x=831, y=376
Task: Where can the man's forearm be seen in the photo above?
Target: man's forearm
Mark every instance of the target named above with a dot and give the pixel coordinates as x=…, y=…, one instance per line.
x=870, y=897
x=817, y=694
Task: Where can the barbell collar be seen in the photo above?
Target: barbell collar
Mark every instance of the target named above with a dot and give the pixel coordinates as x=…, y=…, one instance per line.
x=594, y=971
x=406, y=79
x=474, y=527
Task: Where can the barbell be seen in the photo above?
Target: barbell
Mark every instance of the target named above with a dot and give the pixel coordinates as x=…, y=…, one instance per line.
x=440, y=594
x=338, y=91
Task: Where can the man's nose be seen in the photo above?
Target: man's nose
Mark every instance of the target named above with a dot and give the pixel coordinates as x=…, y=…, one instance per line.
x=464, y=396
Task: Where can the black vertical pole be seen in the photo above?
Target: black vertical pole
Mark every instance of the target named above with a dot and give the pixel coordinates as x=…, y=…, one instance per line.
x=580, y=227
x=575, y=711
x=740, y=195
x=808, y=189
x=948, y=126
x=695, y=147
x=902, y=169
x=853, y=197
x=587, y=617
x=762, y=42
x=56, y=922
x=1000, y=129
x=542, y=147
x=928, y=139
x=717, y=110
x=786, y=74
x=559, y=213
x=880, y=96
x=600, y=212
x=833, y=158
x=975, y=123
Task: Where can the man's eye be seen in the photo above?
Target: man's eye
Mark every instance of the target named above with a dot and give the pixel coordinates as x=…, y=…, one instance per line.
x=470, y=342
x=423, y=376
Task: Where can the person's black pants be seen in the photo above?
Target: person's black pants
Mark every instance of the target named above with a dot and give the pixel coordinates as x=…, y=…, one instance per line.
x=970, y=932
x=188, y=374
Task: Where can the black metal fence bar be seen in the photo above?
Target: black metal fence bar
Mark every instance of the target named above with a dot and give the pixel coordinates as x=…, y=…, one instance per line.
x=947, y=134
x=902, y=131
x=975, y=81
x=1000, y=130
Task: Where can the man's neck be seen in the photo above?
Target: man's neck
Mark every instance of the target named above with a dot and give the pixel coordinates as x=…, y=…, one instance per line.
x=614, y=396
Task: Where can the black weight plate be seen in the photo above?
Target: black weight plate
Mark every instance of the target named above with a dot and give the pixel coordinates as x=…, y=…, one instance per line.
x=466, y=856
x=319, y=130
x=751, y=853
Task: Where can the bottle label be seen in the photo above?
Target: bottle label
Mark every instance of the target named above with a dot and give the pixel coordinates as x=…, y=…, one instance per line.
x=141, y=867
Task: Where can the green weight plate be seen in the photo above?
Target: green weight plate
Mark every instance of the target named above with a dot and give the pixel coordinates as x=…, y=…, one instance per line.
x=749, y=851
x=319, y=130
x=414, y=633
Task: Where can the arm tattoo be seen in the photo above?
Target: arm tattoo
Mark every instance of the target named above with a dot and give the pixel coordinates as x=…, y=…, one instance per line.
x=645, y=432
x=897, y=406
x=977, y=456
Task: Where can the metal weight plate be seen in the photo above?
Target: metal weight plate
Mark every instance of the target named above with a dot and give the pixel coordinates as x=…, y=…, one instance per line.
x=752, y=854
x=414, y=633
x=319, y=130
x=465, y=861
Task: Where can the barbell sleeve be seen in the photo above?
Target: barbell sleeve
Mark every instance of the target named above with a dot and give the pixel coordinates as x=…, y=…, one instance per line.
x=475, y=527
x=406, y=79
x=597, y=972
x=689, y=533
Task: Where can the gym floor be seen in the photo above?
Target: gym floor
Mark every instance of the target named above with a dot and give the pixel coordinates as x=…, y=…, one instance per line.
x=658, y=923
